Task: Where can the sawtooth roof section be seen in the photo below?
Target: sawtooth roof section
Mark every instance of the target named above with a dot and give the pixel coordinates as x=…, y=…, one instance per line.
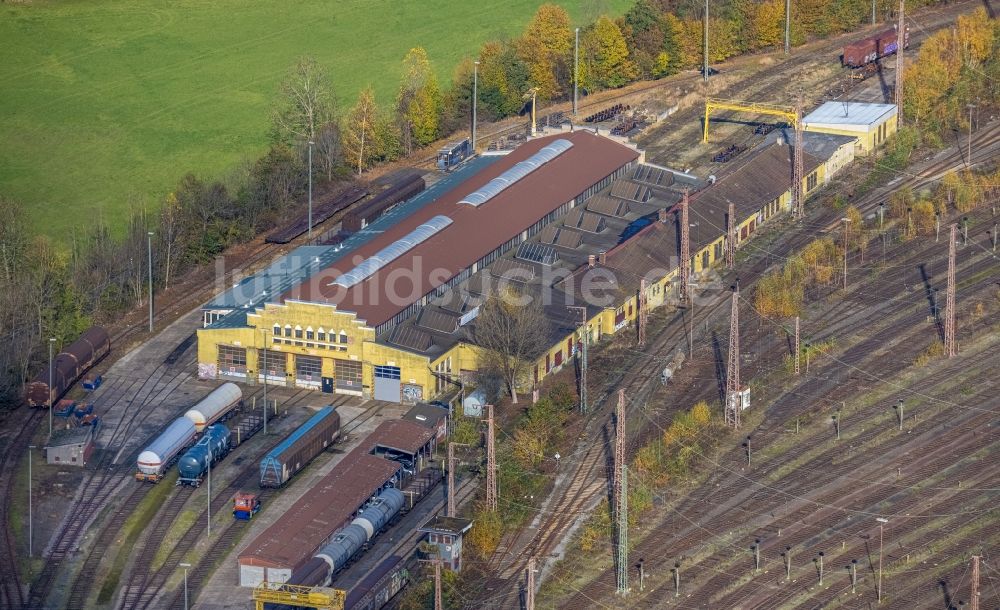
x=653, y=176
x=412, y=338
x=474, y=232
x=627, y=189
x=581, y=219
x=438, y=320
x=609, y=206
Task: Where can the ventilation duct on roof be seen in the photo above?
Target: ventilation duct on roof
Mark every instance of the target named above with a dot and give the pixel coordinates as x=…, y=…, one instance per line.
x=386, y=255
x=497, y=185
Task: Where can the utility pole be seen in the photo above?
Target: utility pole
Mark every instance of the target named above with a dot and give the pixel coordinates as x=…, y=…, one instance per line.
x=788, y=563
x=491, y=462
x=900, y=45
x=621, y=495
x=451, y=479
x=756, y=555
x=873, y=12
x=529, y=602
x=31, y=529
x=52, y=342
x=149, y=269
x=797, y=345
x=847, y=222
x=677, y=579
x=705, y=66
x=265, y=379
x=685, y=269
x=788, y=26
x=970, y=107
x=576, y=69
x=733, y=399
x=731, y=237
x=820, y=559
x=899, y=413
x=583, y=360
x=208, y=498
x=310, y=189
x=949, y=308
x=475, y=100
x=798, y=205
x=854, y=575
x=643, y=312
x=881, y=523
x=438, y=603
x=974, y=599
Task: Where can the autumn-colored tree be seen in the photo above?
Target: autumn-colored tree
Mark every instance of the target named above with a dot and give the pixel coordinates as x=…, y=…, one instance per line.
x=606, y=55
x=418, y=104
x=650, y=40
x=821, y=256
x=923, y=217
x=768, y=26
x=359, y=131
x=899, y=201
x=503, y=79
x=976, y=36
x=546, y=49
x=456, y=111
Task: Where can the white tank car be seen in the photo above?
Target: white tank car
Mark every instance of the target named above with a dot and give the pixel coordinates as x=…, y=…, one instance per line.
x=153, y=461
x=221, y=400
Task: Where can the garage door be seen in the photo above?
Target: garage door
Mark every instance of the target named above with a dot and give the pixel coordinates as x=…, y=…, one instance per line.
x=347, y=376
x=308, y=370
x=232, y=361
x=387, y=383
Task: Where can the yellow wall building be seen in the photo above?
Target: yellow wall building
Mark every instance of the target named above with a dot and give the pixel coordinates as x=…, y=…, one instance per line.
x=871, y=124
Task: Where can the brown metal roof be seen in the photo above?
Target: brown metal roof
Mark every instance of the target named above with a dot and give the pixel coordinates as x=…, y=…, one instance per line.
x=325, y=508
x=475, y=231
x=401, y=435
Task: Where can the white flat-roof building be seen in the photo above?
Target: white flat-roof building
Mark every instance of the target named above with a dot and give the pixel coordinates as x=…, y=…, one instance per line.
x=870, y=123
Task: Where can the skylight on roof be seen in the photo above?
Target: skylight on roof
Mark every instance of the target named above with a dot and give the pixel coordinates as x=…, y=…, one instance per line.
x=370, y=266
x=497, y=185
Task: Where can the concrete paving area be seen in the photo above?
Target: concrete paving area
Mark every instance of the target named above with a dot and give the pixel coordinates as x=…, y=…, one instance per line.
x=359, y=418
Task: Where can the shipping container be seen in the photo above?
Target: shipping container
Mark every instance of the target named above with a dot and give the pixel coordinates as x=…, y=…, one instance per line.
x=68, y=366
x=299, y=448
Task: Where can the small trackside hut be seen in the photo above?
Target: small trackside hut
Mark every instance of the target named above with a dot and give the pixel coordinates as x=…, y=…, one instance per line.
x=444, y=536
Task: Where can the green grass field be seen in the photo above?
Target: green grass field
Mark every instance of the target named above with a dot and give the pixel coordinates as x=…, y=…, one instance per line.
x=106, y=104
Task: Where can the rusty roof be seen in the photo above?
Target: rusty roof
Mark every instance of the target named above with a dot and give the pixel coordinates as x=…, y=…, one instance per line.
x=316, y=516
x=474, y=232
x=401, y=435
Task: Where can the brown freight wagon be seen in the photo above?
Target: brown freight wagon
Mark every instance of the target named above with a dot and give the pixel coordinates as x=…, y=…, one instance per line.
x=369, y=211
x=296, y=451
x=866, y=51
x=68, y=366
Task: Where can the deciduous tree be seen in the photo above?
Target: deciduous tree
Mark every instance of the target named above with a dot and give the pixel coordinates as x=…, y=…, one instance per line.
x=359, y=130
x=418, y=104
x=546, y=49
x=510, y=335
x=608, y=62
x=305, y=102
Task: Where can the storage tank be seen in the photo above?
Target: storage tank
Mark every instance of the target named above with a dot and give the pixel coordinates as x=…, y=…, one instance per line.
x=212, y=447
x=343, y=546
x=161, y=451
x=215, y=405
x=380, y=511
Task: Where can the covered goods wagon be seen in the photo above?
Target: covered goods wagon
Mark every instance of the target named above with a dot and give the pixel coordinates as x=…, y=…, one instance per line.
x=299, y=448
x=68, y=366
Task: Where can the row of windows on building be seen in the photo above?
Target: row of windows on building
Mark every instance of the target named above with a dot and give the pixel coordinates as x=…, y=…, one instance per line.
x=320, y=335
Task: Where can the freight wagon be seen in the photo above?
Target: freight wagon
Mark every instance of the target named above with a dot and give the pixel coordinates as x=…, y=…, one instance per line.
x=863, y=54
x=154, y=461
x=295, y=452
x=369, y=211
x=453, y=154
x=68, y=366
x=322, y=210
x=381, y=585
x=218, y=405
x=346, y=543
x=208, y=451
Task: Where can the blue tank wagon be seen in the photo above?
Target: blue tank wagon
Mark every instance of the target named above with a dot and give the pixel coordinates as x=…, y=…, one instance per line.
x=209, y=450
x=299, y=448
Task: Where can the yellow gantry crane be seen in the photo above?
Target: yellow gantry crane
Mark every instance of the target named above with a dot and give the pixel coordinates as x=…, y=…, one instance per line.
x=321, y=598
x=784, y=112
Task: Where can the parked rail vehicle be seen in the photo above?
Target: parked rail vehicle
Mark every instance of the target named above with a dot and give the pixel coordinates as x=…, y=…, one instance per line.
x=332, y=557
x=68, y=366
x=213, y=445
x=245, y=506
x=381, y=585
x=369, y=211
x=863, y=54
x=218, y=405
x=299, y=448
x=323, y=209
x=154, y=461
x=451, y=155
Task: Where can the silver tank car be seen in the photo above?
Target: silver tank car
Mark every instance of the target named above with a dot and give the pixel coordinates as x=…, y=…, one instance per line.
x=380, y=511
x=211, y=408
x=370, y=520
x=160, y=453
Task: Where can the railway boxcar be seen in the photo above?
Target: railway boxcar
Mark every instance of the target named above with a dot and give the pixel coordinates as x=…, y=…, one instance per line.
x=157, y=457
x=68, y=366
x=368, y=211
x=212, y=447
x=299, y=448
x=381, y=585
x=323, y=209
x=337, y=553
x=865, y=52
x=215, y=406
